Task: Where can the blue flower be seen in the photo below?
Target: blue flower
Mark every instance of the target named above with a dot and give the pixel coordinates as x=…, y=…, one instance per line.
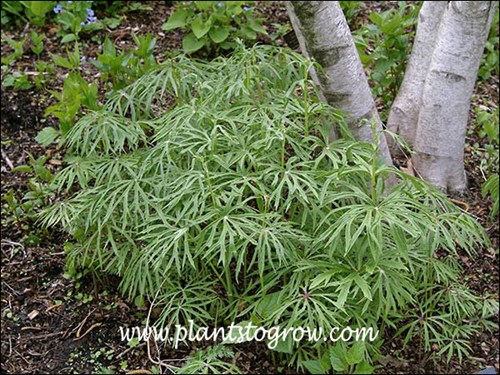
x=220, y=4
x=82, y=23
x=70, y=2
x=246, y=8
x=58, y=8
x=91, y=19
x=90, y=13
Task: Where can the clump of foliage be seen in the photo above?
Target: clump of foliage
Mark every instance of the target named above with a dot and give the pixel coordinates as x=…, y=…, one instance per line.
x=490, y=187
x=350, y=9
x=215, y=25
x=39, y=185
x=34, y=12
x=231, y=204
x=118, y=69
x=23, y=211
x=384, y=45
x=75, y=17
x=15, y=79
x=487, y=128
x=71, y=17
x=490, y=62
x=121, y=68
x=210, y=361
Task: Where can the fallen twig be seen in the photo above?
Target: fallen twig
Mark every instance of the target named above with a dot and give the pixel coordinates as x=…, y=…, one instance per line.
x=7, y=160
x=95, y=325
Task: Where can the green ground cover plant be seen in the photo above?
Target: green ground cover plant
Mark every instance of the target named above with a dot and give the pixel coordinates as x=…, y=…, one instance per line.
x=383, y=44
x=215, y=25
x=213, y=184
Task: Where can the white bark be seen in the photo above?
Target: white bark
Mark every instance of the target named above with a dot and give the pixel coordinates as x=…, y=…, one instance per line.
x=442, y=123
x=324, y=35
x=403, y=116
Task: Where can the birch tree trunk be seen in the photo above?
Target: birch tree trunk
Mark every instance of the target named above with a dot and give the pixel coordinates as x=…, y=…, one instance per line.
x=324, y=35
x=444, y=112
x=403, y=116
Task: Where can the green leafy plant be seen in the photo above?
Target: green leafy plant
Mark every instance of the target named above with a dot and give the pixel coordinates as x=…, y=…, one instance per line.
x=221, y=192
x=11, y=78
x=342, y=360
x=487, y=122
x=119, y=68
x=350, y=9
x=210, y=361
x=44, y=70
x=489, y=62
x=124, y=67
x=75, y=16
x=486, y=126
x=72, y=62
x=72, y=16
x=37, y=40
x=281, y=31
x=40, y=189
x=47, y=136
x=17, y=80
x=18, y=50
x=214, y=24
x=34, y=12
x=383, y=45
x=490, y=187
x=76, y=94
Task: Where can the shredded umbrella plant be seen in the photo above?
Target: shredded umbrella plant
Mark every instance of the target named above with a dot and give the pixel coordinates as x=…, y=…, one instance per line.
x=213, y=185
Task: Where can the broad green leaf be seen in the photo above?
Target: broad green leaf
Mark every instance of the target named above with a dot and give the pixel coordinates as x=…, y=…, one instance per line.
x=268, y=304
x=248, y=33
x=257, y=27
x=191, y=44
x=69, y=38
x=40, y=8
x=364, y=368
x=355, y=353
x=200, y=27
x=61, y=61
x=314, y=367
x=219, y=33
x=46, y=136
x=337, y=358
x=42, y=172
x=139, y=301
x=284, y=346
x=204, y=5
x=112, y=22
x=22, y=168
x=176, y=20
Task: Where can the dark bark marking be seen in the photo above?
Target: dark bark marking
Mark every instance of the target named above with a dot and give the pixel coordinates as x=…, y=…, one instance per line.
x=449, y=76
x=327, y=57
x=335, y=97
